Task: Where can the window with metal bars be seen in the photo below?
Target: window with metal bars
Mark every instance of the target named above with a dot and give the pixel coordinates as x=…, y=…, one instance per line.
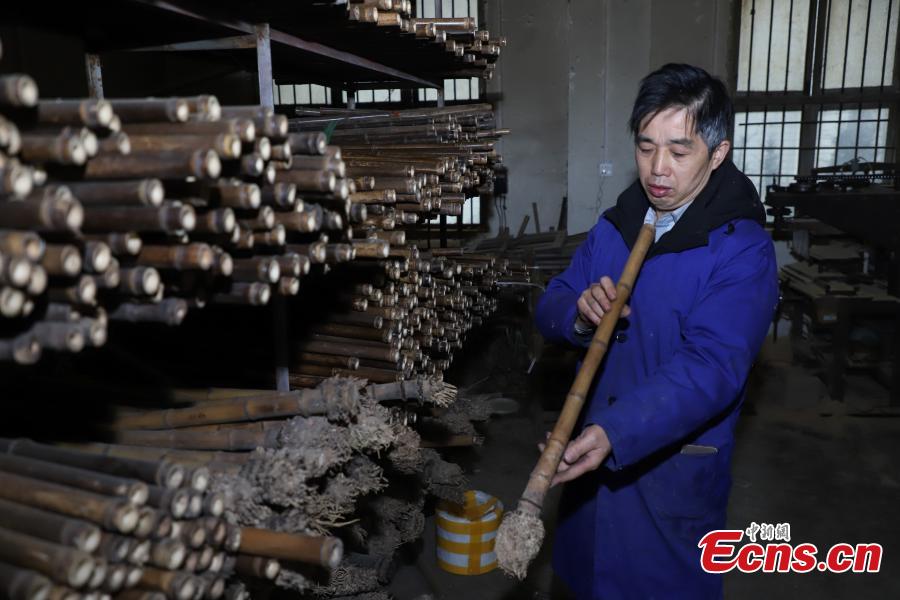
x=302, y=94
x=816, y=86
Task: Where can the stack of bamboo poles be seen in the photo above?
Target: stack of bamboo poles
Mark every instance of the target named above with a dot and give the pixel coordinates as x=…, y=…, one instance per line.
x=137, y=210
x=384, y=13
x=41, y=270
x=478, y=51
x=404, y=309
x=412, y=165
x=86, y=524
x=547, y=253
x=402, y=316
x=473, y=51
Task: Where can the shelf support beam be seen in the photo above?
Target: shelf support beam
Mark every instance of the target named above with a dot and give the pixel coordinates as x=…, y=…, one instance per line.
x=287, y=39
x=280, y=322
x=264, y=65
x=236, y=42
x=94, y=75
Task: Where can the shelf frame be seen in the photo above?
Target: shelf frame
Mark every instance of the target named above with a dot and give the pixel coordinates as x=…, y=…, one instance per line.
x=279, y=37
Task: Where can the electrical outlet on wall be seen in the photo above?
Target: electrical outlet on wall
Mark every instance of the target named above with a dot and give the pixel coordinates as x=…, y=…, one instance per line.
x=606, y=169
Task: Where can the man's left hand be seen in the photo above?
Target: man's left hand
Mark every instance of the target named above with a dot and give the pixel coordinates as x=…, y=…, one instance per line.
x=585, y=453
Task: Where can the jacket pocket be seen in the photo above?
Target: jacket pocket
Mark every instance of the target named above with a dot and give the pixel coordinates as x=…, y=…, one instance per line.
x=682, y=486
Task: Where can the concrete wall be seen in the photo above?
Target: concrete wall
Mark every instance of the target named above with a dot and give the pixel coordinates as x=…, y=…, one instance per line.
x=533, y=74
x=567, y=82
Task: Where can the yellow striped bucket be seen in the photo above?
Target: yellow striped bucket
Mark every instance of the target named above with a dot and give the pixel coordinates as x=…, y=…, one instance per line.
x=466, y=533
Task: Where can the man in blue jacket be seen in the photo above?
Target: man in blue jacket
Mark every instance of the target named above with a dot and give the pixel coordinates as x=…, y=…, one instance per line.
x=648, y=475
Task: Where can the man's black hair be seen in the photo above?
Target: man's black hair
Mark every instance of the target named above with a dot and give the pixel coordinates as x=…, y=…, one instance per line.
x=705, y=97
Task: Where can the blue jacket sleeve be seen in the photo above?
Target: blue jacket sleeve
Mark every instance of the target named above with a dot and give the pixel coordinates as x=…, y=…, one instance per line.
x=722, y=336
x=557, y=308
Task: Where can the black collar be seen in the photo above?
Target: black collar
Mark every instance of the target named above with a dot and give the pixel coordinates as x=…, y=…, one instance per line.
x=728, y=195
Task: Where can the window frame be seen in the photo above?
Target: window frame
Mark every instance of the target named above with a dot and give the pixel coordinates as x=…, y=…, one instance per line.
x=814, y=99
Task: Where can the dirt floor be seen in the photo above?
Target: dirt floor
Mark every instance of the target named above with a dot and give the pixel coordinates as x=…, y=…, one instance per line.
x=800, y=458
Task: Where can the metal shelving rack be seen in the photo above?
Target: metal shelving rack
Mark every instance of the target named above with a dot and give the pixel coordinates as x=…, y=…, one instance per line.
x=360, y=56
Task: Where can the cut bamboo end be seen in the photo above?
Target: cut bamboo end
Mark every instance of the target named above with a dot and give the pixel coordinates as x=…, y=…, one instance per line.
x=324, y=551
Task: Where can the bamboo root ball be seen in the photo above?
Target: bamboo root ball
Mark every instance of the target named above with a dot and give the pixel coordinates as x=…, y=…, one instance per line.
x=519, y=540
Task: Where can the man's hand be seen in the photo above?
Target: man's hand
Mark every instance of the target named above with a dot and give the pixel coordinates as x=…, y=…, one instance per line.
x=586, y=453
x=596, y=301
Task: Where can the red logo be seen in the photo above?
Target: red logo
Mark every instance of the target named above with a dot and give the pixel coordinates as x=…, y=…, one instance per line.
x=720, y=553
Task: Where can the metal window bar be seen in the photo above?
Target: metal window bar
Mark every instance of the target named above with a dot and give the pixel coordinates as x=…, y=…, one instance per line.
x=844, y=70
x=762, y=155
x=787, y=69
x=862, y=72
x=749, y=73
x=822, y=30
x=887, y=35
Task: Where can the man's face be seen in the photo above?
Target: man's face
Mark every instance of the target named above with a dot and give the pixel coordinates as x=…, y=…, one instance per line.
x=673, y=162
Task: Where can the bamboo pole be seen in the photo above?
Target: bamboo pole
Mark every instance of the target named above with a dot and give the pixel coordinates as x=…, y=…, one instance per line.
x=102, y=510
x=161, y=473
x=180, y=585
x=513, y=555
x=303, y=403
x=49, y=526
x=247, y=436
x=139, y=594
x=150, y=453
x=17, y=583
x=100, y=483
x=67, y=566
x=257, y=566
x=316, y=550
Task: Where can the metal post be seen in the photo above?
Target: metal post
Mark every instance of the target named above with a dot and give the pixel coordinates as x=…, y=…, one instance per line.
x=280, y=324
x=895, y=371
x=279, y=302
x=264, y=65
x=439, y=13
x=440, y=103
x=94, y=75
x=335, y=96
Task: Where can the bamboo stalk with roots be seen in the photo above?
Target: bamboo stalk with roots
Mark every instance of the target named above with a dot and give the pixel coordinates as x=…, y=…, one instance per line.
x=521, y=533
